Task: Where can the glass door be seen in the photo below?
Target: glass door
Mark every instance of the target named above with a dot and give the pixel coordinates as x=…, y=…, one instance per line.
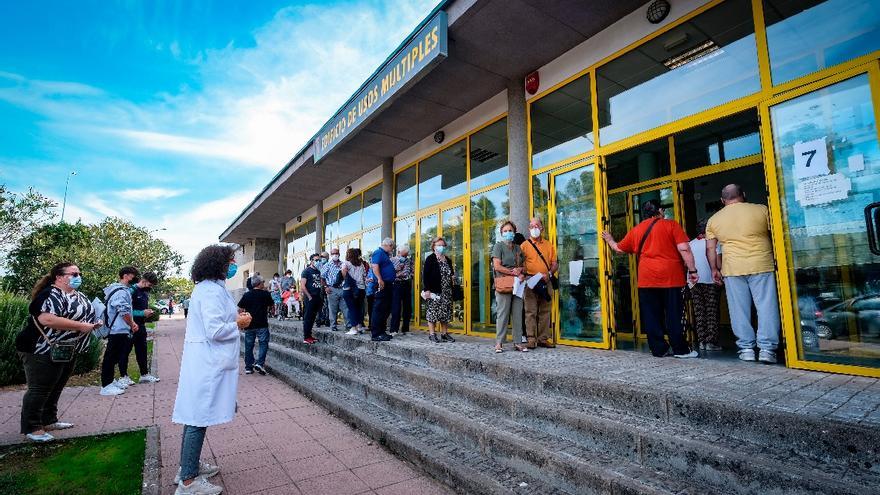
x=827, y=165
x=580, y=295
x=447, y=222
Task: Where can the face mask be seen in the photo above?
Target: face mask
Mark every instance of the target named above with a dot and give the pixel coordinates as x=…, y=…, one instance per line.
x=231, y=271
x=440, y=249
x=535, y=232
x=147, y=289
x=75, y=282
x=507, y=236
x=404, y=256
x=334, y=257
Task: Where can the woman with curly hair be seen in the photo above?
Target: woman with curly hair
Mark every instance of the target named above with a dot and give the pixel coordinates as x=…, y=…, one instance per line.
x=208, y=381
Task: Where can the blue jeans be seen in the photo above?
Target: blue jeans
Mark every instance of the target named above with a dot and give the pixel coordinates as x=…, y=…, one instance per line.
x=191, y=450
x=354, y=301
x=249, y=337
x=759, y=288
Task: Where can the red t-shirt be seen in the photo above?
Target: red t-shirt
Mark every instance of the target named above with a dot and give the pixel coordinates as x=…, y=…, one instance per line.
x=660, y=264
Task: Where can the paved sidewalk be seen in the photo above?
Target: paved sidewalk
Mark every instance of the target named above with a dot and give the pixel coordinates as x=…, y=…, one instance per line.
x=279, y=443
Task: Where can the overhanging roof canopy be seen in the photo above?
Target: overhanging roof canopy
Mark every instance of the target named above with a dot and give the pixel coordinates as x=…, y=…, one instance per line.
x=490, y=42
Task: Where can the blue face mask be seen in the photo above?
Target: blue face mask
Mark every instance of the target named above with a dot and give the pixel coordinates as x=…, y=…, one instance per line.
x=507, y=236
x=75, y=282
x=439, y=249
x=231, y=271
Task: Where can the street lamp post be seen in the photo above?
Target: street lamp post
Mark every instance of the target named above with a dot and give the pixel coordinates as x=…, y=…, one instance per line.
x=66, y=184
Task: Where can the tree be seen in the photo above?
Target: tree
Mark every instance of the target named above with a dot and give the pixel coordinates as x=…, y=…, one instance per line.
x=98, y=250
x=21, y=214
x=175, y=287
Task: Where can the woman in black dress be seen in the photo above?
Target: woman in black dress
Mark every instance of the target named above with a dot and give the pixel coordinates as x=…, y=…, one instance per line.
x=438, y=276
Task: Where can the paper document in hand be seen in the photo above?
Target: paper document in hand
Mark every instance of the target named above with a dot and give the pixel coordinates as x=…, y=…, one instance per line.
x=519, y=287
x=534, y=279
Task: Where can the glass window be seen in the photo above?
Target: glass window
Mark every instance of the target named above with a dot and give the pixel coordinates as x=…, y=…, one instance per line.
x=405, y=189
x=805, y=36
x=350, y=216
x=443, y=176
x=405, y=233
x=370, y=241
x=489, y=155
x=829, y=160
x=562, y=123
x=540, y=198
x=719, y=141
x=373, y=206
x=702, y=63
x=577, y=240
x=331, y=231
x=644, y=162
x=488, y=210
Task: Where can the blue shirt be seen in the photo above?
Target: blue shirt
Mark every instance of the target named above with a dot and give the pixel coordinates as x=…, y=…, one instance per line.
x=386, y=268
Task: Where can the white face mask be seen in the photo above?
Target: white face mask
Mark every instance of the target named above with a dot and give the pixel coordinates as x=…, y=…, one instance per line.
x=334, y=257
x=535, y=232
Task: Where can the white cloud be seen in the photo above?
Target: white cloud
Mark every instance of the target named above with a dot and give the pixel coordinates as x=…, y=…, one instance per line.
x=150, y=193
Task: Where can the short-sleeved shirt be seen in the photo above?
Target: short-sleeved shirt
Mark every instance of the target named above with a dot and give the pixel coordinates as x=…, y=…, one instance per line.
x=511, y=255
x=701, y=261
x=533, y=263
x=73, y=306
x=743, y=229
x=403, y=268
x=386, y=268
x=257, y=302
x=313, y=281
x=660, y=264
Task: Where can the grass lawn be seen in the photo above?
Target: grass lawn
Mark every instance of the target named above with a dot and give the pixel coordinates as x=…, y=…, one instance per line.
x=100, y=465
x=94, y=377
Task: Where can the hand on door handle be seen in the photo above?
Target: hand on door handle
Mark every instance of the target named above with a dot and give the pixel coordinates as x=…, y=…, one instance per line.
x=872, y=223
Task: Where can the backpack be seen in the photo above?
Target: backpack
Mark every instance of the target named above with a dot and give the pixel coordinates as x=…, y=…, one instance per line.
x=101, y=308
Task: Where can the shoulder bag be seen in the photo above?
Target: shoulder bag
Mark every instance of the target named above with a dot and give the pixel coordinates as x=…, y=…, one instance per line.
x=60, y=352
x=645, y=238
x=504, y=283
x=553, y=280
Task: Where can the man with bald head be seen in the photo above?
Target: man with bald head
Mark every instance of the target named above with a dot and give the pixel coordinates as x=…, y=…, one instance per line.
x=747, y=270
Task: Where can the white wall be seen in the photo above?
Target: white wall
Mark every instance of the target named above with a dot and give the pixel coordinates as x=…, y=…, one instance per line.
x=306, y=215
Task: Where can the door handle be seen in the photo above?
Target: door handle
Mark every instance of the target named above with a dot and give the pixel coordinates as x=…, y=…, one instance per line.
x=872, y=222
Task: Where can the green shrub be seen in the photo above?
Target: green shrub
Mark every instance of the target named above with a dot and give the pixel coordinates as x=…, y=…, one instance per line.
x=13, y=315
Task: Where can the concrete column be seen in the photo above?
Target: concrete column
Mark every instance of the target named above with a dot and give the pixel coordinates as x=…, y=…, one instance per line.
x=518, y=154
x=319, y=226
x=387, y=197
x=282, y=249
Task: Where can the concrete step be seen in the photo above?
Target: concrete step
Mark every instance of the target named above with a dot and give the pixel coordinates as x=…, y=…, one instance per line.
x=575, y=428
x=508, y=458
x=832, y=446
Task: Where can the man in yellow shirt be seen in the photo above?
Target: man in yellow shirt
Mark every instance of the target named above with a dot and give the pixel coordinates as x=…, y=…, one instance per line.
x=540, y=257
x=747, y=271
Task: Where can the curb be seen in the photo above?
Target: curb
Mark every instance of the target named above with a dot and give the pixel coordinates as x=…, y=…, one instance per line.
x=151, y=462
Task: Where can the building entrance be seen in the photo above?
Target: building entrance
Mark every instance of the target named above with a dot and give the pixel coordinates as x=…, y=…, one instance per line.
x=447, y=222
x=689, y=200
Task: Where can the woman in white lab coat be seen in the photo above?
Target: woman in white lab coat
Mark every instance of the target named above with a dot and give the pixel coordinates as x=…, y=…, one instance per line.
x=209, y=367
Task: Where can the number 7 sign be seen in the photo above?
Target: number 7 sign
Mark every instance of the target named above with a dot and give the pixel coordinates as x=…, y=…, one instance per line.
x=811, y=158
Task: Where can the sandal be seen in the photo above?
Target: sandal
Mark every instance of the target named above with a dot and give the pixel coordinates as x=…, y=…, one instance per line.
x=498, y=350
x=521, y=348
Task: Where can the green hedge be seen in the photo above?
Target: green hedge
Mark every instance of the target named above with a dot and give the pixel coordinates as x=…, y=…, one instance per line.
x=13, y=314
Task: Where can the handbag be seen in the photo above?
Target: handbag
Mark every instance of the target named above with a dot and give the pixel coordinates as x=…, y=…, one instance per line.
x=553, y=280
x=504, y=283
x=457, y=293
x=59, y=352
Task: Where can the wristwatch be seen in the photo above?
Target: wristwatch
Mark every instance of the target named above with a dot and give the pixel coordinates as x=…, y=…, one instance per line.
x=693, y=271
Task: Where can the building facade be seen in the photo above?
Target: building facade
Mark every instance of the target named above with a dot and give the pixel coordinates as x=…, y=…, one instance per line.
x=780, y=97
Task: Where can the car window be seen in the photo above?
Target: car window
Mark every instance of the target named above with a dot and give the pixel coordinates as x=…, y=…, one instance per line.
x=870, y=303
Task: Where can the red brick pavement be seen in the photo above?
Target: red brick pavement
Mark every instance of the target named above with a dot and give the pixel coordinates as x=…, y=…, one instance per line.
x=279, y=443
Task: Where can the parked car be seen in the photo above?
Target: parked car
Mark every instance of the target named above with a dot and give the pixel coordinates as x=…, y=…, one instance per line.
x=162, y=305
x=861, y=314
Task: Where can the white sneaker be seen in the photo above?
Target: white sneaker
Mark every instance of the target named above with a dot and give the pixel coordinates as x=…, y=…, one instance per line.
x=127, y=379
x=200, y=486
x=120, y=383
x=148, y=378
x=747, y=355
x=45, y=437
x=206, y=470
x=767, y=356
x=353, y=331
x=112, y=389
x=58, y=426
x=690, y=355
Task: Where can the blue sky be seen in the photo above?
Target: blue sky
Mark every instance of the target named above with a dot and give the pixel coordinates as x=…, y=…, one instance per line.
x=175, y=114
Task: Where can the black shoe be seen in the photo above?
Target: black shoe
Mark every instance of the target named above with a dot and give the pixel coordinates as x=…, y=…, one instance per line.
x=248, y=371
x=382, y=338
x=447, y=338
x=259, y=369
x=433, y=338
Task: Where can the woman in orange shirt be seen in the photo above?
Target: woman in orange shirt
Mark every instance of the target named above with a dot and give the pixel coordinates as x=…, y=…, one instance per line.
x=660, y=246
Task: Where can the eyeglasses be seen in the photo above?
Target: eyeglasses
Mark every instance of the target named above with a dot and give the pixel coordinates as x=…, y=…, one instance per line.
x=74, y=274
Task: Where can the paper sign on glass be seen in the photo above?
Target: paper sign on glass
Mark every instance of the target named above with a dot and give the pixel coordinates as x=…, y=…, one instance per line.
x=856, y=163
x=810, y=158
x=575, y=269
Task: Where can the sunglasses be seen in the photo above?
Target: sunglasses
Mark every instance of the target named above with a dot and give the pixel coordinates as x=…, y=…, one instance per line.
x=74, y=274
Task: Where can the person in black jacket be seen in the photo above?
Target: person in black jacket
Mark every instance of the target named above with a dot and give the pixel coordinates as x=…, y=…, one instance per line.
x=438, y=277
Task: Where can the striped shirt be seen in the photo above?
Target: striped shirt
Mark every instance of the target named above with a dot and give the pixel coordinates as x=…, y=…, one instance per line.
x=330, y=272
x=403, y=267
x=73, y=306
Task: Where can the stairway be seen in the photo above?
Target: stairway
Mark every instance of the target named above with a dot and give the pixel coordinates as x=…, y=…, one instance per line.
x=487, y=426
